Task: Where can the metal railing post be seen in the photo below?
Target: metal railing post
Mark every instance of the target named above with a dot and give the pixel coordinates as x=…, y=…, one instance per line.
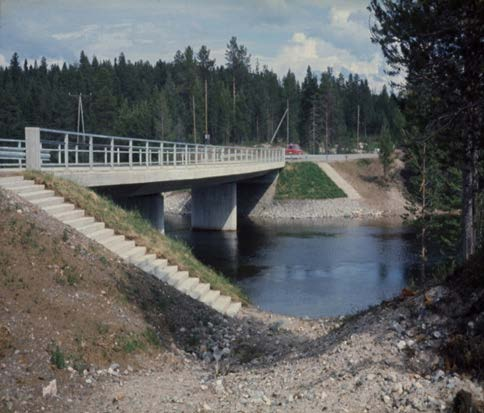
x=186, y=154
x=130, y=153
x=66, y=150
x=76, y=154
x=174, y=154
x=160, y=156
x=19, y=147
x=91, y=152
x=147, y=148
x=112, y=153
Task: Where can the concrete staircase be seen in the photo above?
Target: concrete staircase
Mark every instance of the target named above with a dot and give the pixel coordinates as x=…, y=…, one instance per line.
x=67, y=213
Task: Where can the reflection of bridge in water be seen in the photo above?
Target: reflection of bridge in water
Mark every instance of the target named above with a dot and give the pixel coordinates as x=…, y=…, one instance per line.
x=135, y=172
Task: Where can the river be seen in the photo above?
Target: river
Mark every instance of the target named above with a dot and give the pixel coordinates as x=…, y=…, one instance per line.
x=306, y=268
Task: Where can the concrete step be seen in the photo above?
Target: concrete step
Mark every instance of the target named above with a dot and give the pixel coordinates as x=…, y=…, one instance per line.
x=92, y=228
x=177, y=278
x=43, y=193
x=166, y=272
x=50, y=201
x=113, y=241
x=153, y=265
x=78, y=222
x=101, y=235
x=233, y=308
x=26, y=189
x=221, y=304
x=187, y=285
x=134, y=252
x=199, y=290
x=55, y=209
x=18, y=184
x=122, y=247
x=161, y=263
x=12, y=178
x=210, y=297
x=61, y=216
x=143, y=261
x=77, y=213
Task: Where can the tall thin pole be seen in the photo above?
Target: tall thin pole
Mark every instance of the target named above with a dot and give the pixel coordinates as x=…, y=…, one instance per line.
x=79, y=103
x=326, y=129
x=194, y=120
x=206, y=108
x=82, y=113
x=314, y=129
x=358, y=127
x=287, y=130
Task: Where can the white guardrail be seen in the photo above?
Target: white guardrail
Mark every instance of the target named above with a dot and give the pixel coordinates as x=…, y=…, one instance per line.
x=49, y=148
x=12, y=153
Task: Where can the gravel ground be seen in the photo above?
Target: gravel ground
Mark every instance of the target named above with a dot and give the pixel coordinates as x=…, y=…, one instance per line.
x=384, y=360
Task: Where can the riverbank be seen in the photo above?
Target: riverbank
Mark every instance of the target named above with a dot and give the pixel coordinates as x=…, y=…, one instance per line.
x=365, y=177
x=81, y=331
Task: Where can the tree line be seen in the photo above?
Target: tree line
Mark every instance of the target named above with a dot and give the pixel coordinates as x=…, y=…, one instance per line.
x=192, y=96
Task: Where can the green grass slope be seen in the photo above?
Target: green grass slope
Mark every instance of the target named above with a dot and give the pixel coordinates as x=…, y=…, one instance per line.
x=306, y=180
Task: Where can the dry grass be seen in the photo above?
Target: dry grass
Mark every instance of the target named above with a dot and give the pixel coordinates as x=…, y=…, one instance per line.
x=134, y=227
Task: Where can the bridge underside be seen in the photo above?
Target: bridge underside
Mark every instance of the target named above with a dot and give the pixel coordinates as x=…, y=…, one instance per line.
x=214, y=189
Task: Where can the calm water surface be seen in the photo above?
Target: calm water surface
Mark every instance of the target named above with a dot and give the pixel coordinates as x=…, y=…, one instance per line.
x=306, y=268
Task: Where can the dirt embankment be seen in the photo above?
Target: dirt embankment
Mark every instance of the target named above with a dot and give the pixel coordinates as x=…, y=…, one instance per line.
x=366, y=176
x=116, y=339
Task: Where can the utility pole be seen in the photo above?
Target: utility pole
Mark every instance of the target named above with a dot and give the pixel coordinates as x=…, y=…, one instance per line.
x=358, y=127
x=162, y=125
x=194, y=120
x=326, y=129
x=207, y=138
x=314, y=129
x=80, y=114
x=287, y=129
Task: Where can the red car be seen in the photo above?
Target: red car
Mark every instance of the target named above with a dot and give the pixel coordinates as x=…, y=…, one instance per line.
x=294, y=149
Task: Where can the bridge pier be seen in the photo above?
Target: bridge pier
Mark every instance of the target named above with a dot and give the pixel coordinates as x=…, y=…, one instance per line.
x=151, y=207
x=215, y=207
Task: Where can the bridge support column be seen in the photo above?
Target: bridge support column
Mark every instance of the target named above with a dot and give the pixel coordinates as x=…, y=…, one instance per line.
x=215, y=207
x=151, y=207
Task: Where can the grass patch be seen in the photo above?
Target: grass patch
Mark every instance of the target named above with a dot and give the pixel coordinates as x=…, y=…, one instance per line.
x=57, y=358
x=134, y=227
x=306, y=180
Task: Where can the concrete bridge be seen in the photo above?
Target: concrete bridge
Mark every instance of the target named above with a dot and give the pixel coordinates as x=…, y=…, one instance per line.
x=135, y=172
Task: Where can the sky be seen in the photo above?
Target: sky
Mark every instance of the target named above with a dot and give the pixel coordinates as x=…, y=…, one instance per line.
x=282, y=34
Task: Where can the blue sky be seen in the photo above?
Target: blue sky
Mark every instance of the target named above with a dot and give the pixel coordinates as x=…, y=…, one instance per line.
x=282, y=34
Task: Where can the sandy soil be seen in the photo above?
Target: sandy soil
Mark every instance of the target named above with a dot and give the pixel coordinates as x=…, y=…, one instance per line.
x=367, y=178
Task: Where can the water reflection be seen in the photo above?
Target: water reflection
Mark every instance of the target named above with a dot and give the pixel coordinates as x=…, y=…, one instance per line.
x=309, y=269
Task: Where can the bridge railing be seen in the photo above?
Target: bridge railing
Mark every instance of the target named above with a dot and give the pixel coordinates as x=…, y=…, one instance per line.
x=12, y=153
x=72, y=150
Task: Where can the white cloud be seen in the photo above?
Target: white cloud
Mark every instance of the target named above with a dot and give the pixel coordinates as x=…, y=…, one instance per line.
x=84, y=32
x=302, y=51
x=3, y=61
